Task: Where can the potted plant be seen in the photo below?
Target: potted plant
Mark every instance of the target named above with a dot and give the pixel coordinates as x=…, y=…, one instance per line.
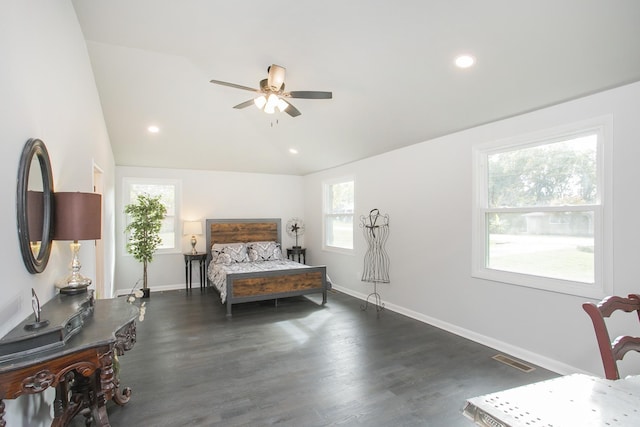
x=146, y=216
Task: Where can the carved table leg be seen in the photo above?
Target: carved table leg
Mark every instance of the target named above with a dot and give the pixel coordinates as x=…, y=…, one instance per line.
x=99, y=411
x=61, y=401
x=125, y=340
x=65, y=408
x=3, y=423
x=122, y=397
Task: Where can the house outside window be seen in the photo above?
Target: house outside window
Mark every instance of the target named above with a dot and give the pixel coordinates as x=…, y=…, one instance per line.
x=542, y=212
x=338, y=214
x=169, y=192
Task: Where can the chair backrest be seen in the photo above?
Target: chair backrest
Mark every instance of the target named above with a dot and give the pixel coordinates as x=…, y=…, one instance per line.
x=612, y=351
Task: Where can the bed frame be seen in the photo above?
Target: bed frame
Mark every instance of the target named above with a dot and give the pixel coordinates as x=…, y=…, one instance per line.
x=246, y=287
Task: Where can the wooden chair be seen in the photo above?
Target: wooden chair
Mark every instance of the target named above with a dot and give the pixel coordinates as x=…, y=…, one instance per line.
x=612, y=351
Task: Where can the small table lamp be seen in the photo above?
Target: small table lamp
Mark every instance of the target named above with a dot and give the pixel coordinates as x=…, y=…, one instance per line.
x=77, y=217
x=193, y=228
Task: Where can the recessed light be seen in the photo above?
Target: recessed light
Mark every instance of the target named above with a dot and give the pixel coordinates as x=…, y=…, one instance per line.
x=293, y=151
x=153, y=129
x=465, y=61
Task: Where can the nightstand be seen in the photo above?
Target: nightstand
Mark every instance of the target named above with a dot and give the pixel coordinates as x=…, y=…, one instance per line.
x=188, y=259
x=292, y=252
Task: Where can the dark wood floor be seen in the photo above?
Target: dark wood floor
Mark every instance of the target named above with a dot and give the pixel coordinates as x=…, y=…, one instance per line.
x=300, y=364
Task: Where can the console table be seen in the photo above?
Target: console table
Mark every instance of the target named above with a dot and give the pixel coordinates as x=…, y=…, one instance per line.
x=79, y=357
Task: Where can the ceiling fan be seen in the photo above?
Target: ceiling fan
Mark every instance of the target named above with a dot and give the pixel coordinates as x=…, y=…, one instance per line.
x=272, y=95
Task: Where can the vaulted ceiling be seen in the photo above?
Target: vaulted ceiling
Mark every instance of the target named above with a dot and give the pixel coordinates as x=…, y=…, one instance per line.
x=389, y=65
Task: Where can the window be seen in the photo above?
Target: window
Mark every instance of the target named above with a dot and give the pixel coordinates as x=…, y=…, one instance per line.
x=541, y=210
x=338, y=214
x=169, y=192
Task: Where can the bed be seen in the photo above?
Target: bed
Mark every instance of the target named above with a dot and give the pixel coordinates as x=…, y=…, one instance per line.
x=243, y=263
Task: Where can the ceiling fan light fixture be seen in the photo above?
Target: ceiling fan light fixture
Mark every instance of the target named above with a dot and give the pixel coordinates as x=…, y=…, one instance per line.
x=282, y=105
x=272, y=103
x=260, y=101
x=276, y=77
x=271, y=96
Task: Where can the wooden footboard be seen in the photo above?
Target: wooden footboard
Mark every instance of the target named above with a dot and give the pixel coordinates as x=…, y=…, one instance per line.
x=245, y=287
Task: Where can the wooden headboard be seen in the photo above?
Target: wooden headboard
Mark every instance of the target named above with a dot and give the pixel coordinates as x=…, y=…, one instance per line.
x=242, y=231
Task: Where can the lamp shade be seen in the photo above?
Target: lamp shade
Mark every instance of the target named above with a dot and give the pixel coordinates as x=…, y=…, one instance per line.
x=192, y=227
x=35, y=215
x=77, y=216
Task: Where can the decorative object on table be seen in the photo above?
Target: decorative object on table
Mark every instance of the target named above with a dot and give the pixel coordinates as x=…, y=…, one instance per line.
x=375, y=227
x=146, y=216
x=38, y=321
x=194, y=228
x=34, y=205
x=77, y=217
x=136, y=294
x=295, y=229
x=272, y=96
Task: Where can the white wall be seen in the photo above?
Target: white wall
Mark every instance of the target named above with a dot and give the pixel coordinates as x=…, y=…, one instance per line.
x=205, y=194
x=426, y=190
x=47, y=91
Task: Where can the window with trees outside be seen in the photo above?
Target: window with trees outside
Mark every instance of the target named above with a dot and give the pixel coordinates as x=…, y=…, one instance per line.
x=338, y=214
x=169, y=192
x=541, y=210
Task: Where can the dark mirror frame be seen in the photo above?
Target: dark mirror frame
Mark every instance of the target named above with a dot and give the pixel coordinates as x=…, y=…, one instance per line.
x=35, y=263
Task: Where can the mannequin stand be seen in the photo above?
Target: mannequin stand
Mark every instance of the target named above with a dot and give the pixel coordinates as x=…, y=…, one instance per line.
x=377, y=301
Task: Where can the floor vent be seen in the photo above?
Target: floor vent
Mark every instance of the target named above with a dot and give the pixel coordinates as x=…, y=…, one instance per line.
x=513, y=363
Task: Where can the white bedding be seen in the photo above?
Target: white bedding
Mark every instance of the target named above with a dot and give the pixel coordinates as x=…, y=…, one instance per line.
x=218, y=272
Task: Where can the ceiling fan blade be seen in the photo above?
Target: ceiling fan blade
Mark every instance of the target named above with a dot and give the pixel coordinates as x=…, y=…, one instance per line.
x=245, y=104
x=291, y=110
x=276, y=77
x=310, y=94
x=218, y=82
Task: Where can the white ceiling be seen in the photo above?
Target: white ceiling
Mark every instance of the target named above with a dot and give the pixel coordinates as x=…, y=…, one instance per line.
x=388, y=64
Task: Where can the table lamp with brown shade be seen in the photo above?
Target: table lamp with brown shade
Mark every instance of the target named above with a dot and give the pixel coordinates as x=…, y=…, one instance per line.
x=77, y=217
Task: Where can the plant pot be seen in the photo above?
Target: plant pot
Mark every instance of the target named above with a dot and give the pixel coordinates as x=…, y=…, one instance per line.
x=146, y=292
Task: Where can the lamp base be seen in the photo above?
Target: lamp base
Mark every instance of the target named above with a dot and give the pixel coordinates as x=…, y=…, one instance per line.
x=73, y=290
x=193, y=245
x=75, y=282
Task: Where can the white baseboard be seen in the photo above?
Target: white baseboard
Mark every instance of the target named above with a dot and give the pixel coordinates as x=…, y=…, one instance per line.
x=518, y=352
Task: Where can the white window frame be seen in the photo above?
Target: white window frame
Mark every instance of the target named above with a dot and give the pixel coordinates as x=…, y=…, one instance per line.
x=326, y=186
x=127, y=182
x=603, y=247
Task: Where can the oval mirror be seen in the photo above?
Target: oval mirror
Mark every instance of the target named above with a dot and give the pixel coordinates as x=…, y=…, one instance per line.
x=34, y=199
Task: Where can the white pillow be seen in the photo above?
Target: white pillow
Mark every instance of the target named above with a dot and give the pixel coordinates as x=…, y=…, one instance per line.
x=264, y=251
x=235, y=252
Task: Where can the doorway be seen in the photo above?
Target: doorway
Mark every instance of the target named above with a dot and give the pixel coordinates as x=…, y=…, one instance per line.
x=98, y=187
